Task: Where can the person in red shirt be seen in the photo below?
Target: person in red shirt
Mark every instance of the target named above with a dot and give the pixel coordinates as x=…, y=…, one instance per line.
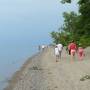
x=72, y=47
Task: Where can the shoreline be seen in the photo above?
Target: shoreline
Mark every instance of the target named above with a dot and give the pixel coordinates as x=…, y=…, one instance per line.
x=41, y=72
x=17, y=75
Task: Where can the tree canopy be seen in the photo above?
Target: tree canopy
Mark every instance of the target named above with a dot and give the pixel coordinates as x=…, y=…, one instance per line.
x=76, y=26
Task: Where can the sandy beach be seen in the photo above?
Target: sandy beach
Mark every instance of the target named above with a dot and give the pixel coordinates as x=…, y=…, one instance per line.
x=42, y=72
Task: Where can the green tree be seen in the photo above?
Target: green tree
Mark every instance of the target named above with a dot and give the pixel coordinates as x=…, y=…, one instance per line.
x=84, y=9
x=68, y=30
x=66, y=1
x=70, y=21
x=75, y=26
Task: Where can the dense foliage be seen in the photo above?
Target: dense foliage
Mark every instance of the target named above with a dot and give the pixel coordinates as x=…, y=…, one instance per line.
x=76, y=27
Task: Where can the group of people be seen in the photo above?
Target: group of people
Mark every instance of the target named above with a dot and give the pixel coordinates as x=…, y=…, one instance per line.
x=42, y=47
x=72, y=49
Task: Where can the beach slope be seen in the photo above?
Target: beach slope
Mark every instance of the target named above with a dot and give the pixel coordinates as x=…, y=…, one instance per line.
x=42, y=72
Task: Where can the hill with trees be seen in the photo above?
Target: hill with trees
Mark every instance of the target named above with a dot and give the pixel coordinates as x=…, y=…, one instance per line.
x=76, y=26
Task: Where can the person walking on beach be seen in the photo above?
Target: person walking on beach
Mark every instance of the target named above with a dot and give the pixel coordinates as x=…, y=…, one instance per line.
x=81, y=53
x=56, y=53
x=39, y=48
x=43, y=47
x=72, y=49
x=60, y=48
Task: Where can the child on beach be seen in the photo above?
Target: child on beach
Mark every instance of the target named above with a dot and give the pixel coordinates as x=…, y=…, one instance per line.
x=56, y=53
x=81, y=53
x=60, y=48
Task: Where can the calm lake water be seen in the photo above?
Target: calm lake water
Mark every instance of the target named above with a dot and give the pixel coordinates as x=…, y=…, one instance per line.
x=13, y=53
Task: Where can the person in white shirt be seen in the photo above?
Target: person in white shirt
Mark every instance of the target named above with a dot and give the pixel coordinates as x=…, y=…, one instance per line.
x=56, y=53
x=43, y=47
x=60, y=48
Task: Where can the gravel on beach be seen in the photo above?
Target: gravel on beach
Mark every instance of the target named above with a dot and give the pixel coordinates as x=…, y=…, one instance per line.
x=42, y=72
